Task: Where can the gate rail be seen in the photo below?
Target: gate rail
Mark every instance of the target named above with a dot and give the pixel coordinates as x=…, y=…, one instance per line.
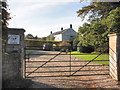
x=27, y=56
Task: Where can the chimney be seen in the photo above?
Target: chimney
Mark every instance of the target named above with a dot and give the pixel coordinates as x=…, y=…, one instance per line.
x=51, y=32
x=70, y=25
x=61, y=28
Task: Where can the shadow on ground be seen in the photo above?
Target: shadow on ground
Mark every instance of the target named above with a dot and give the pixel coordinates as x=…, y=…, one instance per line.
x=39, y=85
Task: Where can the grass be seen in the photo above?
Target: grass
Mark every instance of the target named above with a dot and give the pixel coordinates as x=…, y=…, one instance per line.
x=90, y=56
x=28, y=52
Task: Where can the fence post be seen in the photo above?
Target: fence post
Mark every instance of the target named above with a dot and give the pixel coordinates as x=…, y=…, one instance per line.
x=114, y=56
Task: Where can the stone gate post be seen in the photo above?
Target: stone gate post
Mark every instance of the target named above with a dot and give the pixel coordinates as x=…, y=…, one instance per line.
x=16, y=44
x=114, y=55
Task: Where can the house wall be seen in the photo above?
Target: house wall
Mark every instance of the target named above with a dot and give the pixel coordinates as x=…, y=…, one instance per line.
x=67, y=35
x=58, y=37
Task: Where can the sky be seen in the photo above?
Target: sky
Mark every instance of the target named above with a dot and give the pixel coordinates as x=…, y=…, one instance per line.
x=40, y=17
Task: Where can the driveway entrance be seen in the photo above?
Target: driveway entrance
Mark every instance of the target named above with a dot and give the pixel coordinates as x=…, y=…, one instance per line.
x=52, y=69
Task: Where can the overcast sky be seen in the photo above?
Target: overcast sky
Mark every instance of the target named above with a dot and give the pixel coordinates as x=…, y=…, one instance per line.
x=39, y=17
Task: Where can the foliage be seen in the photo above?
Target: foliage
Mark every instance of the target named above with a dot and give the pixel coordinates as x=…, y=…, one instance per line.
x=62, y=46
x=84, y=49
x=75, y=43
x=29, y=36
x=34, y=43
x=50, y=38
x=93, y=34
x=5, y=16
x=103, y=21
x=97, y=9
x=64, y=43
x=113, y=21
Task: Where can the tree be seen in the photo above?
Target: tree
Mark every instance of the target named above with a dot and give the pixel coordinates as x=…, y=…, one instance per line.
x=113, y=21
x=29, y=36
x=50, y=38
x=103, y=20
x=98, y=9
x=5, y=17
x=36, y=37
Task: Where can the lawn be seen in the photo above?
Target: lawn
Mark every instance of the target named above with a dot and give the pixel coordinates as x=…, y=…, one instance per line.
x=28, y=52
x=102, y=59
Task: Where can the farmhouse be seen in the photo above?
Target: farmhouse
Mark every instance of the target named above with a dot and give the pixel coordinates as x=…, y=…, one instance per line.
x=68, y=34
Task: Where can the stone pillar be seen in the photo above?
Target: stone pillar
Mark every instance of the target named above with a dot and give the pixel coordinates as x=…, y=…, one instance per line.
x=114, y=56
x=16, y=44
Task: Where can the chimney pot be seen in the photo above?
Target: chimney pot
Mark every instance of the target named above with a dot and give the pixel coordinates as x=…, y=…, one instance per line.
x=61, y=28
x=70, y=25
x=51, y=32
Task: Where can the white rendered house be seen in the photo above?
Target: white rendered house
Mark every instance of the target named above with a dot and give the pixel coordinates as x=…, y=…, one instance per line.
x=65, y=34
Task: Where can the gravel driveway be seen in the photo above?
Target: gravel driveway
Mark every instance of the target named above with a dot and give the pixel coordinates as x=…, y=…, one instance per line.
x=55, y=74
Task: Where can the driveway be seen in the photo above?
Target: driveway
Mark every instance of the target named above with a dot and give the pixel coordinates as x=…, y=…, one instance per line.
x=55, y=74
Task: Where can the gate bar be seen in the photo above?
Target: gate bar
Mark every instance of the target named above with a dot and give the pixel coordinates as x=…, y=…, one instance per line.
x=44, y=63
x=85, y=65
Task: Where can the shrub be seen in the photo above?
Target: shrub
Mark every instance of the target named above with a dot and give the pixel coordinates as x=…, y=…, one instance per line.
x=63, y=46
x=75, y=42
x=84, y=49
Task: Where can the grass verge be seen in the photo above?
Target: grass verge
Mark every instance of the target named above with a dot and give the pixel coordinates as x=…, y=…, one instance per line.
x=102, y=59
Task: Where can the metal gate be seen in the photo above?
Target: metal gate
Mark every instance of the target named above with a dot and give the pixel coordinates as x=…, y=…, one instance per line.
x=40, y=63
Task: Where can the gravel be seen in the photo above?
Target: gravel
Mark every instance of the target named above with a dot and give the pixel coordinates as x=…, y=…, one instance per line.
x=55, y=74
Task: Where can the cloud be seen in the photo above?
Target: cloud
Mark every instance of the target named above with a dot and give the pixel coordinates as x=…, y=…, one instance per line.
x=24, y=8
x=35, y=17
x=45, y=1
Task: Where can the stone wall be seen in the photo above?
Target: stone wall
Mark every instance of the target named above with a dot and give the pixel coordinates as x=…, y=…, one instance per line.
x=11, y=72
x=114, y=55
x=11, y=66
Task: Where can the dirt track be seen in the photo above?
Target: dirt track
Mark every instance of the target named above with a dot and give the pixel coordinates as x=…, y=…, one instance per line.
x=54, y=74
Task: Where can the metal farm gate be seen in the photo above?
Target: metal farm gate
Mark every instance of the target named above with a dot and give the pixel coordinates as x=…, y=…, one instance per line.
x=60, y=63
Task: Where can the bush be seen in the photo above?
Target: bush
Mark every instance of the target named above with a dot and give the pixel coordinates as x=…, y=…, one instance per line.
x=103, y=49
x=75, y=42
x=84, y=49
x=63, y=46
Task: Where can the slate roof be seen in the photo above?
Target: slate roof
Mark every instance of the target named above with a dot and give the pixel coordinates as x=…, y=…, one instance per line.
x=60, y=32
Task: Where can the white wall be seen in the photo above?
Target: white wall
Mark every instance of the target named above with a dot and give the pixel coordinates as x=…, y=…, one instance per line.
x=67, y=35
x=58, y=37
